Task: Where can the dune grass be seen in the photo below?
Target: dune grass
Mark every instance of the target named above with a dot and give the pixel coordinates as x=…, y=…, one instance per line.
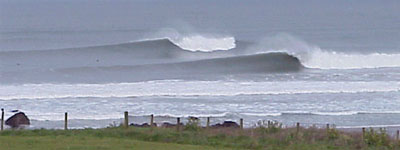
x=193, y=137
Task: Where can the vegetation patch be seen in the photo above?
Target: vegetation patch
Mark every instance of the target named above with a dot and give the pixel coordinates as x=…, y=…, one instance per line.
x=269, y=135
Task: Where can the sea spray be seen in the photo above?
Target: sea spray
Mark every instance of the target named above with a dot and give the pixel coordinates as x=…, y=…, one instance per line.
x=313, y=56
x=194, y=41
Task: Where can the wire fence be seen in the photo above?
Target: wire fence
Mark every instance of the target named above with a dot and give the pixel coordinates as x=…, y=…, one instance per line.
x=164, y=121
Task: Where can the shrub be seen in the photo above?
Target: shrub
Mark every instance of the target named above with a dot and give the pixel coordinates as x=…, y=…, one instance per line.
x=192, y=124
x=374, y=138
x=333, y=134
x=268, y=126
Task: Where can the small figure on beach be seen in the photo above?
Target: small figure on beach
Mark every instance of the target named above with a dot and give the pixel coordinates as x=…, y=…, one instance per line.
x=18, y=120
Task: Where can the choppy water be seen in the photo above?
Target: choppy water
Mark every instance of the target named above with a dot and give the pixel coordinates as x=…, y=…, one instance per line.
x=313, y=62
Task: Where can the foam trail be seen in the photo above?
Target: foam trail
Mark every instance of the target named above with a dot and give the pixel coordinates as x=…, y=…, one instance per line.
x=262, y=114
x=189, y=88
x=335, y=113
x=334, y=60
x=369, y=126
x=302, y=113
x=220, y=115
x=320, y=113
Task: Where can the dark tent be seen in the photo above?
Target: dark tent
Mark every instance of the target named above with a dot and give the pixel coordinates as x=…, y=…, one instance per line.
x=17, y=120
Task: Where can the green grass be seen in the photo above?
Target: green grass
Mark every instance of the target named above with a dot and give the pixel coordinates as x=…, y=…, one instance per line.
x=86, y=143
x=192, y=137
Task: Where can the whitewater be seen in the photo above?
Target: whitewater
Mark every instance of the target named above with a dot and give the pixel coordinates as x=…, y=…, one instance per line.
x=188, y=88
x=287, y=61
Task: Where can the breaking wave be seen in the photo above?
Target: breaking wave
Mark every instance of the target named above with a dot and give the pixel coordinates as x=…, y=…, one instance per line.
x=178, y=54
x=216, y=67
x=196, y=42
x=312, y=56
x=204, y=44
x=320, y=59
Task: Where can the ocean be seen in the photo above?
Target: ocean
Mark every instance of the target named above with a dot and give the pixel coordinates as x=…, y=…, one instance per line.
x=316, y=62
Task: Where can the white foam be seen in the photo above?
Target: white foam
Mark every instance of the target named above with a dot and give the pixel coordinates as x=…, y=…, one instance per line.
x=59, y=116
x=313, y=56
x=192, y=115
x=340, y=113
x=189, y=88
x=205, y=44
x=335, y=60
x=262, y=114
x=379, y=112
x=196, y=41
x=302, y=113
x=345, y=113
x=369, y=126
x=320, y=113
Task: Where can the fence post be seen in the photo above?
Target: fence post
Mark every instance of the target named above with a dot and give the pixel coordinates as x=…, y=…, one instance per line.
x=397, y=135
x=241, y=123
x=66, y=121
x=151, y=120
x=208, y=122
x=2, y=119
x=363, y=133
x=126, y=120
x=327, y=128
x=297, y=127
x=178, y=123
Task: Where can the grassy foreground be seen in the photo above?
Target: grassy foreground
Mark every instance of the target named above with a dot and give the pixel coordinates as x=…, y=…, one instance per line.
x=87, y=143
x=196, y=138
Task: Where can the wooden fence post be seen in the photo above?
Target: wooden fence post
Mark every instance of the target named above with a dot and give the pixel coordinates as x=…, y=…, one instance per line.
x=66, y=121
x=363, y=133
x=2, y=119
x=397, y=135
x=241, y=123
x=178, y=123
x=297, y=127
x=208, y=122
x=126, y=120
x=151, y=120
x=327, y=128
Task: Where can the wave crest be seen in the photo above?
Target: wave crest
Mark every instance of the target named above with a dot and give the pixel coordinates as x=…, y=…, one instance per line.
x=204, y=44
x=312, y=56
x=195, y=41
